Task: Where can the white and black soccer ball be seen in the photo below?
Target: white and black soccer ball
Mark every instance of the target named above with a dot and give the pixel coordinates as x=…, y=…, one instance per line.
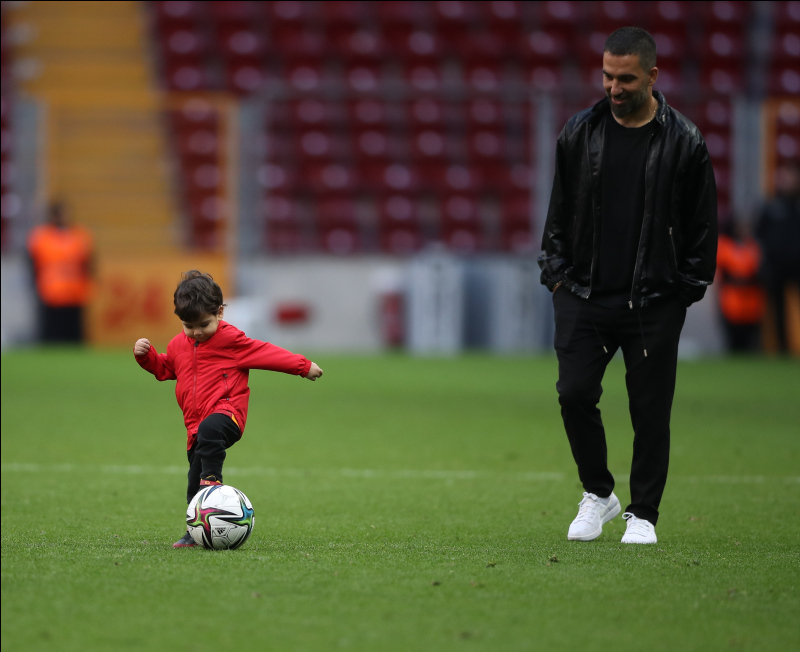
x=220, y=518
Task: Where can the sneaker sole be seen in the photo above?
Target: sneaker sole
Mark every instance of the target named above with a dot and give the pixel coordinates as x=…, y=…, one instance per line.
x=614, y=511
x=184, y=545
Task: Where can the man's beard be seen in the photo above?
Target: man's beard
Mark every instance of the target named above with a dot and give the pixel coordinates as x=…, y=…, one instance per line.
x=635, y=101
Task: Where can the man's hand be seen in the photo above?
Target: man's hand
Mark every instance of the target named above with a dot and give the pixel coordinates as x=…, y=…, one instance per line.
x=313, y=373
x=142, y=346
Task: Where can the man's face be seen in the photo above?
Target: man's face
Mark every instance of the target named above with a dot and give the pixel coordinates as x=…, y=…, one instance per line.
x=203, y=328
x=628, y=86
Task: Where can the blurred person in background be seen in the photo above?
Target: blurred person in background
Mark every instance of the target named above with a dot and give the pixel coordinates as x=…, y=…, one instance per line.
x=778, y=232
x=742, y=301
x=629, y=243
x=62, y=259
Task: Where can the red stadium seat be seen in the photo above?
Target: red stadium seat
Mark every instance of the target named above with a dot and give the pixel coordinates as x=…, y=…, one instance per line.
x=315, y=113
x=347, y=12
x=608, y=16
x=672, y=46
x=284, y=232
x=179, y=10
x=671, y=16
x=541, y=46
x=786, y=49
x=411, y=43
x=482, y=113
x=722, y=79
x=423, y=76
x=784, y=81
x=515, y=223
x=560, y=15
x=283, y=13
x=368, y=112
x=461, y=226
x=502, y=16
x=364, y=78
x=186, y=74
x=787, y=146
x=278, y=177
x=725, y=15
x=182, y=40
x=726, y=48
x=378, y=145
x=391, y=177
x=337, y=227
x=427, y=113
x=357, y=44
x=244, y=76
x=399, y=224
x=402, y=12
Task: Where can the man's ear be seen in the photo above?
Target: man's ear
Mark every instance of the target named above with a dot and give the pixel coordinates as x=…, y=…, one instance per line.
x=653, y=76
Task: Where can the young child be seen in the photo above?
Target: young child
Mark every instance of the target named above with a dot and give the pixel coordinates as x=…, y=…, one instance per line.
x=211, y=360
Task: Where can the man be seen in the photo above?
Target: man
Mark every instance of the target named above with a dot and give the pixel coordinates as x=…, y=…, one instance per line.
x=630, y=242
x=778, y=230
x=62, y=268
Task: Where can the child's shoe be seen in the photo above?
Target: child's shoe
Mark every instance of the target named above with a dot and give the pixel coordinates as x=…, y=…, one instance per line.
x=185, y=541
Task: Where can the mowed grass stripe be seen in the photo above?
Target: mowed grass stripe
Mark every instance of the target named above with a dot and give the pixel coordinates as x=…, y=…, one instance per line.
x=382, y=474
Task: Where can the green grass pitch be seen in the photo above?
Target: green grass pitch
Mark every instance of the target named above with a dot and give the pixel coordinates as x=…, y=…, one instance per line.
x=401, y=504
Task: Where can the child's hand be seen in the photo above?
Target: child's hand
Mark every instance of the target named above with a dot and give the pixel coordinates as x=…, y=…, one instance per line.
x=314, y=372
x=142, y=346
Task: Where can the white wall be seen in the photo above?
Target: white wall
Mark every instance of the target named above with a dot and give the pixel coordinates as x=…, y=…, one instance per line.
x=18, y=315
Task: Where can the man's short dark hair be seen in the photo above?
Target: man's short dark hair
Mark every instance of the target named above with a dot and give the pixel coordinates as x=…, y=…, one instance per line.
x=633, y=40
x=197, y=295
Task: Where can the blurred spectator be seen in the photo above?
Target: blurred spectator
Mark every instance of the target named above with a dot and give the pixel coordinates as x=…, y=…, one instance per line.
x=62, y=260
x=742, y=301
x=778, y=232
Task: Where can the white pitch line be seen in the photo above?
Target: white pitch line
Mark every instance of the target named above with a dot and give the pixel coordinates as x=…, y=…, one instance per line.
x=370, y=474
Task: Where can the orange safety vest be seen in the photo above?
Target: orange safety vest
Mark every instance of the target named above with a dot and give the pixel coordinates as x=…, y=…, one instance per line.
x=741, y=297
x=61, y=261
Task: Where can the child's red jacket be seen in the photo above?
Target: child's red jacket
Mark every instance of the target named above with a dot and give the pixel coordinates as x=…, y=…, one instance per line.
x=212, y=375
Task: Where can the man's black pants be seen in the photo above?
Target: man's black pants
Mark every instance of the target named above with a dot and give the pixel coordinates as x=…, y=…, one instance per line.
x=587, y=337
x=216, y=434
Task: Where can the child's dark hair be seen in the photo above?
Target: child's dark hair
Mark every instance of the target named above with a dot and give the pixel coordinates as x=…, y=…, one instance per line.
x=196, y=295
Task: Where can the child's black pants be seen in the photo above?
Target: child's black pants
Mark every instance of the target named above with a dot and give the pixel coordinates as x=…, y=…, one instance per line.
x=216, y=434
x=583, y=329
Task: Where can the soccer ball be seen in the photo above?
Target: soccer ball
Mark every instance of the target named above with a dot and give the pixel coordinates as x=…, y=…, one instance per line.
x=220, y=518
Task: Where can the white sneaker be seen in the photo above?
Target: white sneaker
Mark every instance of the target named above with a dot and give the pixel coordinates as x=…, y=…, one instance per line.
x=638, y=530
x=592, y=513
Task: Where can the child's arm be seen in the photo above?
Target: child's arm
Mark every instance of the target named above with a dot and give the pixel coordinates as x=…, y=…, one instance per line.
x=156, y=363
x=255, y=354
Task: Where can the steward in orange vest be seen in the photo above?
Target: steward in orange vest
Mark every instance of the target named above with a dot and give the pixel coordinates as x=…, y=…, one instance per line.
x=742, y=300
x=62, y=268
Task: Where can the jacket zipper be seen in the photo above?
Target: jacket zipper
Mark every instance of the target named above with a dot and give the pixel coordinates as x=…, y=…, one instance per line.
x=194, y=386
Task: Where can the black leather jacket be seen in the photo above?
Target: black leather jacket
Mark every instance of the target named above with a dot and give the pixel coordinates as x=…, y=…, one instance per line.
x=678, y=243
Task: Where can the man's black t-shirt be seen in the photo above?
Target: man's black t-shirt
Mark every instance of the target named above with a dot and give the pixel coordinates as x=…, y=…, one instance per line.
x=622, y=182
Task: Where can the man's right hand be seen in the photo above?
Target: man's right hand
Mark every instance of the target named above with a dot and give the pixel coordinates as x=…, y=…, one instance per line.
x=141, y=347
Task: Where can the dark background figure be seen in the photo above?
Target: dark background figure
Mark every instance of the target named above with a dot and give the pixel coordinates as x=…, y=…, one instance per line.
x=742, y=301
x=778, y=232
x=61, y=256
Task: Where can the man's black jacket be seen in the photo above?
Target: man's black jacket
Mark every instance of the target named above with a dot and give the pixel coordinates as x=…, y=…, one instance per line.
x=678, y=243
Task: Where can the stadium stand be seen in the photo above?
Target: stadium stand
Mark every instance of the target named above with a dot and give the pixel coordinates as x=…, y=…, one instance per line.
x=377, y=110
